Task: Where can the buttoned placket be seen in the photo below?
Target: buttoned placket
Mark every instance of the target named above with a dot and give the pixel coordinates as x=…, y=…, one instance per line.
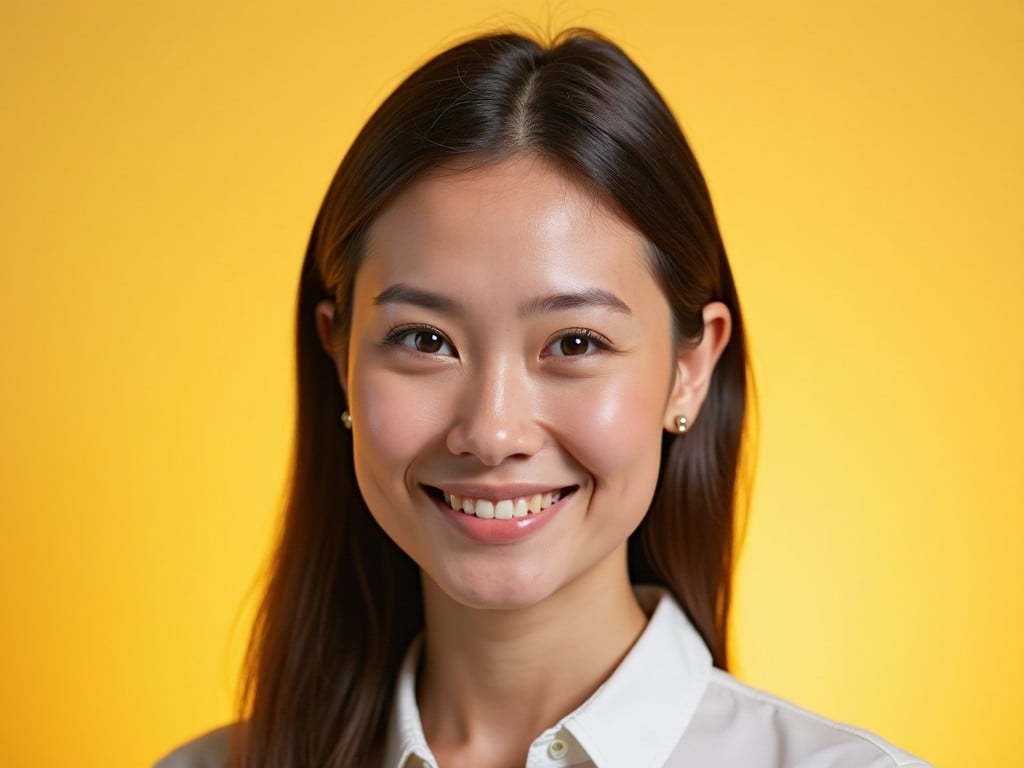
x=635, y=718
x=555, y=748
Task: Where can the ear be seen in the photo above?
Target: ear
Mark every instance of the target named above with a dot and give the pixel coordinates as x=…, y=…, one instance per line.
x=694, y=366
x=335, y=350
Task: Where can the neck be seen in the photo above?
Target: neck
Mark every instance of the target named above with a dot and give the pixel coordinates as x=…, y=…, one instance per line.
x=493, y=680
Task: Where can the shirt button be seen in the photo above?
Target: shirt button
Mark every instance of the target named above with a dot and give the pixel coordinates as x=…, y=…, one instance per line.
x=557, y=749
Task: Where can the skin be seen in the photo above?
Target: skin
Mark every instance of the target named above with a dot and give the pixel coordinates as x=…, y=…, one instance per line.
x=486, y=387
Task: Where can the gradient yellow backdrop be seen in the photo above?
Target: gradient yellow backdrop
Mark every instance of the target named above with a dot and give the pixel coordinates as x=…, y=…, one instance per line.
x=161, y=166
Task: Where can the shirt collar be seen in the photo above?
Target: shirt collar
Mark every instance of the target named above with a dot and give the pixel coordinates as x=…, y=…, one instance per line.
x=405, y=729
x=636, y=717
x=640, y=713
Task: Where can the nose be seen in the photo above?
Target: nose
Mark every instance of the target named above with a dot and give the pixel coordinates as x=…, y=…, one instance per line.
x=496, y=417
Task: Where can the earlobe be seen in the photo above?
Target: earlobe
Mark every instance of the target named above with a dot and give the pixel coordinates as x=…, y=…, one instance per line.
x=694, y=366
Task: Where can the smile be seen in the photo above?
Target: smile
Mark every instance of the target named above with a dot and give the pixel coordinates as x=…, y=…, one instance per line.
x=502, y=509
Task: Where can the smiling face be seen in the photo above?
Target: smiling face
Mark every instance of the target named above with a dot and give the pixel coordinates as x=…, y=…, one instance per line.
x=510, y=369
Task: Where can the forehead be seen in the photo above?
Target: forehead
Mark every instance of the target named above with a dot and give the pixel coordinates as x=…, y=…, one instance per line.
x=516, y=227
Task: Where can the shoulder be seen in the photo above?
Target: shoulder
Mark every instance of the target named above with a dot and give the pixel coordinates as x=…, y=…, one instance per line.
x=207, y=751
x=765, y=730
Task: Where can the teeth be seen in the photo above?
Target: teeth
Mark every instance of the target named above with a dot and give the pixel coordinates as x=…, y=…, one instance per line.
x=503, y=509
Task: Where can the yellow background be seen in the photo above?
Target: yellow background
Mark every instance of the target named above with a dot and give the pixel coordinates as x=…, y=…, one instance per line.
x=161, y=165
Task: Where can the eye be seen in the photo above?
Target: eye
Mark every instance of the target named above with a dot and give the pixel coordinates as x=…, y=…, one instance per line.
x=577, y=342
x=424, y=339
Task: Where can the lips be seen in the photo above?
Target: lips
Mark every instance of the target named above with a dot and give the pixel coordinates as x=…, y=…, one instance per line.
x=503, y=515
x=516, y=504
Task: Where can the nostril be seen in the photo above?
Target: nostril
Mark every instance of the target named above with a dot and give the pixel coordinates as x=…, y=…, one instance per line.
x=492, y=439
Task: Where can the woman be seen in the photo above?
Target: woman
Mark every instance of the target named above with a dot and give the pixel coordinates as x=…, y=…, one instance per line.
x=522, y=391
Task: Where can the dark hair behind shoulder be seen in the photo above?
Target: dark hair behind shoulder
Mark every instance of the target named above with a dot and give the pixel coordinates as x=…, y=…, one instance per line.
x=343, y=602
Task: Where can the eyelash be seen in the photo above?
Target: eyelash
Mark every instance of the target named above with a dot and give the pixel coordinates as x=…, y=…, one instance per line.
x=600, y=342
x=396, y=335
x=400, y=332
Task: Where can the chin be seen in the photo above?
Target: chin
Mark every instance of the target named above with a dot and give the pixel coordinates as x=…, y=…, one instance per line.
x=497, y=589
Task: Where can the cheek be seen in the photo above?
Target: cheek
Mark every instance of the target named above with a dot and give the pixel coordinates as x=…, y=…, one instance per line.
x=614, y=429
x=395, y=423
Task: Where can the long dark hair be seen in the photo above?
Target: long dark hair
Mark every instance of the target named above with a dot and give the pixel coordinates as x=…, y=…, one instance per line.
x=343, y=602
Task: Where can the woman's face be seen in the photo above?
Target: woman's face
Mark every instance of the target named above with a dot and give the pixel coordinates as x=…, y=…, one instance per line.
x=511, y=355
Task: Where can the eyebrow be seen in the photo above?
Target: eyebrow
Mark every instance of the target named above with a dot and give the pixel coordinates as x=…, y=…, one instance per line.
x=403, y=293
x=587, y=297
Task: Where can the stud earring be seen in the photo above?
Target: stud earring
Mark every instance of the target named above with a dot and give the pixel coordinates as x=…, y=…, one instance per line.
x=346, y=419
x=681, y=424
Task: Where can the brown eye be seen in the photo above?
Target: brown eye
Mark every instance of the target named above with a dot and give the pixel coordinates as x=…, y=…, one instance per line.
x=577, y=342
x=574, y=344
x=424, y=340
x=428, y=342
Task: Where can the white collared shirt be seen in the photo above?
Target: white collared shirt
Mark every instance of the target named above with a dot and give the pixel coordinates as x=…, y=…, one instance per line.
x=666, y=706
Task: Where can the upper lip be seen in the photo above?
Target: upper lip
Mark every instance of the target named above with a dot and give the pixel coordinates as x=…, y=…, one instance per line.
x=499, y=492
